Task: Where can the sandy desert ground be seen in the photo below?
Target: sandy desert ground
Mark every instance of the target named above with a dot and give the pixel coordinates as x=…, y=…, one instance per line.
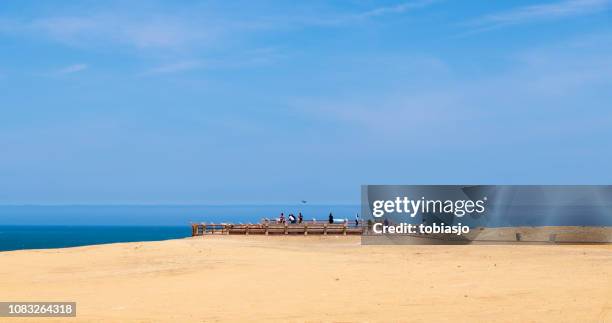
x=330, y=279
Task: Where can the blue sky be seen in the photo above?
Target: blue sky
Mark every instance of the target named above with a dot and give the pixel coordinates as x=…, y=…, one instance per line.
x=274, y=102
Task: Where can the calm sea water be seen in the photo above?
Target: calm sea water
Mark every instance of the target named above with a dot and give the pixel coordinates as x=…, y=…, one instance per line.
x=40, y=237
x=28, y=227
x=37, y=227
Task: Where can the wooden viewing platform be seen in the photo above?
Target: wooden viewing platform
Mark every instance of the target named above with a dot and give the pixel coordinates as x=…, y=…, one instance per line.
x=276, y=228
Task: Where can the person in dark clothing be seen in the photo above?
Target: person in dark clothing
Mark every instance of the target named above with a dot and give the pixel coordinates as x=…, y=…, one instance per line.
x=300, y=217
x=386, y=222
x=331, y=218
x=292, y=218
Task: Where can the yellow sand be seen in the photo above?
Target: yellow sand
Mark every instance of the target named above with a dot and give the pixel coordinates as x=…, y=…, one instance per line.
x=258, y=278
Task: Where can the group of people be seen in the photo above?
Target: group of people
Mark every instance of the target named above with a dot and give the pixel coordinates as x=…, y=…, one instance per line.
x=293, y=220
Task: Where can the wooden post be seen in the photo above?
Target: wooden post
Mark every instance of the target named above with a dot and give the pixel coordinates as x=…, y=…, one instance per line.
x=286, y=229
x=266, y=227
x=325, y=229
x=246, y=231
x=344, y=229
x=305, y=229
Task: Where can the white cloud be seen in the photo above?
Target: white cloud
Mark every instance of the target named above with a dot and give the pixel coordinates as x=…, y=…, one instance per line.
x=245, y=59
x=175, y=67
x=338, y=18
x=540, y=12
x=543, y=93
x=396, y=9
x=73, y=69
x=158, y=31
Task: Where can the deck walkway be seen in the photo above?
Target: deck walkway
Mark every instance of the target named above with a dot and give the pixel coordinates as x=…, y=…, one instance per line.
x=321, y=228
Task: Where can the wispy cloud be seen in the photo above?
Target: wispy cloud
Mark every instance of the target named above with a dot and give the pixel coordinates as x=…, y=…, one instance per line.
x=73, y=69
x=338, y=18
x=541, y=12
x=159, y=31
x=395, y=9
x=249, y=58
x=175, y=67
x=557, y=81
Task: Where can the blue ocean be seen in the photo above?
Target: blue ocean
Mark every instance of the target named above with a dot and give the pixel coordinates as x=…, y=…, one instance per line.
x=38, y=227
x=15, y=237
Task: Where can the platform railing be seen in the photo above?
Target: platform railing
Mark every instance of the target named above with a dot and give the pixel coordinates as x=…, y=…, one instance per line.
x=305, y=228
